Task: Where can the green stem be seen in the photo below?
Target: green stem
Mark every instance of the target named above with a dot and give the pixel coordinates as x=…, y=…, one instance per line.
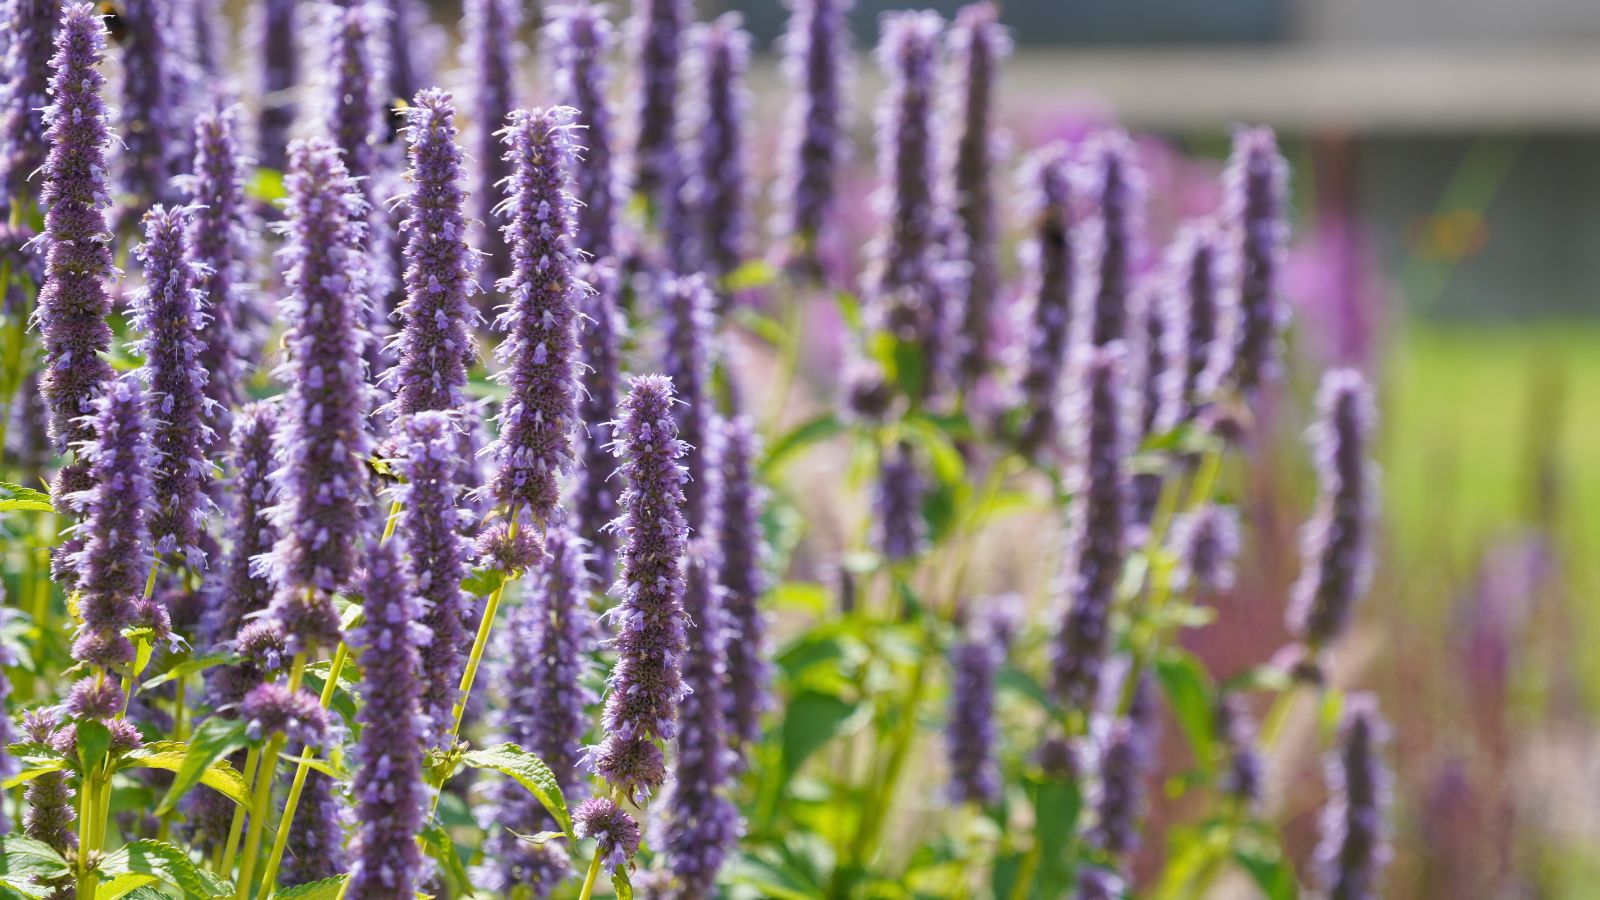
x=88, y=880
x=479, y=644
x=592, y=875
x=263, y=791
x=252, y=758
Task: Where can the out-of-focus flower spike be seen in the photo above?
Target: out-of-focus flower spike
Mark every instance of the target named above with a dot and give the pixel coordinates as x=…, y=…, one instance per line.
x=149, y=113
x=744, y=581
x=720, y=180
x=817, y=66
x=898, y=520
x=595, y=496
x=1255, y=216
x=1206, y=543
x=493, y=61
x=1053, y=272
x=1125, y=755
x=25, y=60
x=1355, y=831
x=280, y=76
x=577, y=40
x=688, y=321
x=1112, y=242
x=656, y=41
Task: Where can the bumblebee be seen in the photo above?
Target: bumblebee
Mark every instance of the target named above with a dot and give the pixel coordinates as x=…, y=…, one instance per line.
x=116, y=20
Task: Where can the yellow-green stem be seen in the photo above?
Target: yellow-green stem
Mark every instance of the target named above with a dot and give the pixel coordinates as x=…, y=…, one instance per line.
x=88, y=843
x=263, y=791
x=590, y=877
x=236, y=830
x=479, y=643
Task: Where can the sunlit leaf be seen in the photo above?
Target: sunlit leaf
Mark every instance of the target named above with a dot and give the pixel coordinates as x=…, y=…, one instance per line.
x=212, y=740
x=530, y=772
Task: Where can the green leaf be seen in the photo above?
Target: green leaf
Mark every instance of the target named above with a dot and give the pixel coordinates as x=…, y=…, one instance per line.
x=1056, y=805
x=168, y=863
x=756, y=273
x=1268, y=869
x=25, y=859
x=93, y=742
x=800, y=596
x=812, y=431
x=36, y=760
x=344, y=700
x=849, y=310
x=123, y=885
x=810, y=720
x=325, y=766
x=16, y=889
x=1193, y=700
x=482, y=581
x=189, y=667
x=325, y=889
x=212, y=740
x=530, y=772
x=437, y=844
x=538, y=840
x=15, y=497
x=145, y=649
x=621, y=885
x=265, y=186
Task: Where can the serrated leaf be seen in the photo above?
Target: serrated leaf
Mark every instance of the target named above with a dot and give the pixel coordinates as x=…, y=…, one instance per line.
x=530, y=772
x=621, y=884
x=123, y=885
x=436, y=843
x=214, y=739
x=25, y=859
x=93, y=742
x=16, y=498
x=812, y=431
x=326, y=889
x=168, y=863
x=36, y=760
x=189, y=667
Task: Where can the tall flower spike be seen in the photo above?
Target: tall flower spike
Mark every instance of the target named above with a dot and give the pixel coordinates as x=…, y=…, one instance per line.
x=493, y=62
x=701, y=823
x=720, y=178
x=170, y=313
x=1053, y=270
x=646, y=683
x=316, y=843
x=246, y=588
x=148, y=113
x=280, y=75
x=323, y=482
x=688, y=321
x=1355, y=831
x=577, y=40
x=115, y=559
x=595, y=496
x=401, y=21
x=1160, y=379
x=432, y=524
x=434, y=347
x=1197, y=344
x=539, y=320
x=49, y=810
x=1096, y=530
x=1111, y=240
x=1119, y=794
x=980, y=47
x=657, y=43
x=388, y=786
x=974, y=663
x=72, y=302
x=744, y=581
x=816, y=65
x=220, y=242
x=898, y=519
x=1257, y=184
x=1336, y=545
x=905, y=280
x=25, y=59
x=353, y=118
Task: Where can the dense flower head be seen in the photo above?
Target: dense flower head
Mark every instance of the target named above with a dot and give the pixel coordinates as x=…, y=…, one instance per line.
x=115, y=558
x=505, y=549
x=388, y=786
x=246, y=587
x=323, y=481
x=1256, y=184
x=595, y=495
x=688, y=320
x=897, y=519
x=1336, y=544
x=316, y=844
x=905, y=281
x=816, y=66
x=25, y=58
x=149, y=110
x=702, y=823
x=1111, y=244
x=719, y=181
x=1206, y=543
x=280, y=74
x=578, y=39
x=72, y=301
x=1355, y=831
x=615, y=832
x=94, y=697
x=170, y=313
x=273, y=708
x=646, y=683
x=656, y=32
x=434, y=346
x=975, y=661
x=432, y=523
x=49, y=811
x=1096, y=529
x=1125, y=753
x=492, y=59
x=1053, y=273
x=980, y=46
x=220, y=242
x=1243, y=767
x=539, y=319
x=744, y=580
x=1196, y=315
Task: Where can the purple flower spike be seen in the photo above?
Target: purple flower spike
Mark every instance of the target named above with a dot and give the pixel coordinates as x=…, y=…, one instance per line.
x=980, y=46
x=493, y=61
x=1118, y=794
x=1053, y=269
x=687, y=305
x=1195, y=317
x=1243, y=767
x=246, y=588
x=25, y=59
x=702, y=823
x=646, y=683
x=205, y=43
x=615, y=832
x=1355, y=831
x=744, y=581
x=1336, y=545
x=72, y=302
x=1206, y=543
x=900, y=490
x=656, y=30
x=402, y=20
x=220, y=241
x=434, y=347
x=720, y=180
x=1112, y=238
x=596, y=496
x=1257, y=184
x=115, y=559
x=1097, y=529
x=280, y=75
x=975, y=662
x=316, y=843
x=170, y=313
x=323, y=483
x=388, y=786
x=578, y=39
x=149, y=116
x=539, y=320
x=816, y=66
x=353, y=119
x=432, y=524
x=50, y=811
x=907, y=284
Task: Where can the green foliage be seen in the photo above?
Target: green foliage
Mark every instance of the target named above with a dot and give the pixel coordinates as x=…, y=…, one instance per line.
x=529, y=771
x=15, y=498
x=171, y=865
x=201, y=758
